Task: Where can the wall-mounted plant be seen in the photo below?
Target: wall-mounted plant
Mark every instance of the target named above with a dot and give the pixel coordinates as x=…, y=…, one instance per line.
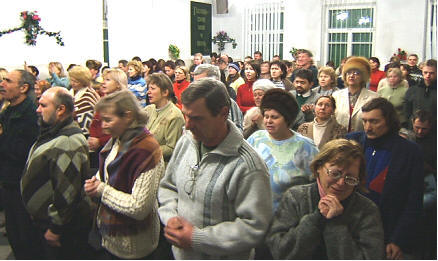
x=173, y=51
x=221, y=39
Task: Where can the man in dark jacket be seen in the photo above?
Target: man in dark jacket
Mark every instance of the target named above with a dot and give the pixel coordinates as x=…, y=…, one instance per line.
x=394, y=177
x=18, y=130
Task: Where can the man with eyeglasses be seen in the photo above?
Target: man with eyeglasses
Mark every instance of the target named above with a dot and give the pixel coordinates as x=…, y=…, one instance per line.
x=18, y=130
x=355, y=73
x=215, y=198
x=394, y=177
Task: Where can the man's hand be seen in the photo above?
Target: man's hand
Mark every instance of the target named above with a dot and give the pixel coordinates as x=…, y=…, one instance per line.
x=393, y=252
x=52, y=239
x=91, y=185
x=179, y=232
x=307, y=107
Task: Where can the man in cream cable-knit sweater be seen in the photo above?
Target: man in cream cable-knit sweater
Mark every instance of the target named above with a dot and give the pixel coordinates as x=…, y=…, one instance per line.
x=215, y=197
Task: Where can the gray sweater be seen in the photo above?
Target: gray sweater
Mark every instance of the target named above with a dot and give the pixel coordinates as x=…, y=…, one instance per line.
x=299, y=231
x=230, y=204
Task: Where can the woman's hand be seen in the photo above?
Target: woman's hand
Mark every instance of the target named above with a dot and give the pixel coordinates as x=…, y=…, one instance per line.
x=393, y=251
x=91, y=186
x=330, y=207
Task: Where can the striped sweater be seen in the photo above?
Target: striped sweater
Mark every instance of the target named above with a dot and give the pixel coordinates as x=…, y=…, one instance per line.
x=54, y=174
x=85, y=100
x=229, y=205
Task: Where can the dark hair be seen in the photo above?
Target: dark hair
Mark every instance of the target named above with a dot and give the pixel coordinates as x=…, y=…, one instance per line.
x=180, y=62
x=413, y=54
x=215, y=94
x=71, y=66
x=282, y=101
x=213, y=54
x=304, y=74
x=104, y=68
x=170, y=64
x=164, y=83
x=93, y=64
x=136, y=58
x=331, y=64
x=388, y=112
x=34, y=69
x=376, y=60
x=66, y=99
x=26, y=78
x=333, y=101
x=283, y=68
x=149, y=65
x=124, y=62
x=309, y=53
x=230, y=59
x=431, y=63
x=258, y=52
x=256, y=67
x=423, y=116
x=160, y=65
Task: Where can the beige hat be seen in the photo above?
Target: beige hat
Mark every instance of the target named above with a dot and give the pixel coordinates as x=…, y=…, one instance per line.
x=358, y=63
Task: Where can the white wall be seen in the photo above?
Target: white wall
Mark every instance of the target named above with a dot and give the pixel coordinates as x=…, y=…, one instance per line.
x=79, y=21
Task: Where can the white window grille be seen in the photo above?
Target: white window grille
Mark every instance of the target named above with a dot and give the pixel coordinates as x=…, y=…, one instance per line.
x=350, y=27
x=263, y=28
x=431, y=30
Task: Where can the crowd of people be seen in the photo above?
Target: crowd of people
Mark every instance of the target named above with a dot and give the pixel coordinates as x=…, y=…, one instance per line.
x=223, y=159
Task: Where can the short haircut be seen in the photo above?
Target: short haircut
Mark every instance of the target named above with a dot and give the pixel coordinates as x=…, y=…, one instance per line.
x=256, y=67
x=304, y=74
x=118, y=76
x=376, y=60
x=63, y=97
x=213, y=54
x=26, y=78
x=81, y=74
x=179, y=62
x=413, y=54
x=136, y=58
x=342, y=153
x=213, y=91
x=395, y=70
x=164, y=83
x=431, y=63
x=309, y=53
x=212, y=71
x=34, y=70
x=282, y=67
x=330, y=72
x=332, y=100
x=185, y=71
x=121, y=102
x=170, y=64
x=123, y=62
x=258, y=52
x=387, y=110
x=138, y=66
x=283, y=102
x=93, y=64
x=424, y=116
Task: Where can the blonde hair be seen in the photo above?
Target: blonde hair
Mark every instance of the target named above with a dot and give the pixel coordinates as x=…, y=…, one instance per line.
x=81, y=74
x=185, y=71
x=138, y=66
x=330, y=72
x=342, y=153
x=58, y=66
x=118, y=76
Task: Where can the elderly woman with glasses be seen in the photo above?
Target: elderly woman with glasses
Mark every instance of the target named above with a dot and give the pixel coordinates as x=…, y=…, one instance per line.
x=329, y=219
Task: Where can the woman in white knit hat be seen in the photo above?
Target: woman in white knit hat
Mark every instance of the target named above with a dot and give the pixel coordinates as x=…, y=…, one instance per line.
x=253, y=120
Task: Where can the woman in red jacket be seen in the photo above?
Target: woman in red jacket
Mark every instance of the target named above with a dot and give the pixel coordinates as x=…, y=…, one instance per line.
x=181, y=83
x=376, y=74
x=245, y=97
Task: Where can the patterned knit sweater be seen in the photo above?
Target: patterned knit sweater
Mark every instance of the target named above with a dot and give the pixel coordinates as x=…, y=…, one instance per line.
x=85, y=100
x=54, y=174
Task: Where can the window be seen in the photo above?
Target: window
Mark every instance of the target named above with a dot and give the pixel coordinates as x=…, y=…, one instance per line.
x=431, y=30
x=350, y=31
x=264, y=29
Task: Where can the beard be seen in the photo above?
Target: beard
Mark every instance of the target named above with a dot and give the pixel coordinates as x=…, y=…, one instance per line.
x=47, y=124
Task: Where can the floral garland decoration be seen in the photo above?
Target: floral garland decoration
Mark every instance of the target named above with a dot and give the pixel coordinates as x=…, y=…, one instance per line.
x=221, y=39
x=293, y=51
x=173, y=51
x=401, y=54
x=31, y=26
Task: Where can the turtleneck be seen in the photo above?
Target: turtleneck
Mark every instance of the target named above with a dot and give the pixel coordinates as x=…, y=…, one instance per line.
x=318, y=130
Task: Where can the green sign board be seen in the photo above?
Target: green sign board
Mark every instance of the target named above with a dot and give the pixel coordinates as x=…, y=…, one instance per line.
x=200, y=15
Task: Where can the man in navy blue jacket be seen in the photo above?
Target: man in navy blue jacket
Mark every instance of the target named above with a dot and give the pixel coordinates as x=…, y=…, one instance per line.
x=394, y=176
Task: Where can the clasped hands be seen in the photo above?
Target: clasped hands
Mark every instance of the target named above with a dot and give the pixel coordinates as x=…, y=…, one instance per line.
x=330, y=207
x=178, y=232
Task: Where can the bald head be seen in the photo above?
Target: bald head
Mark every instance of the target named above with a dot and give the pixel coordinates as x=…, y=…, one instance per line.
x=60, y=96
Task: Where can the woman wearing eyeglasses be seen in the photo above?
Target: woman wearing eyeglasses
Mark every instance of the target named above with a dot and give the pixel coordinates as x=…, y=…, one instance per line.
x=349, y=101
x=329, y=219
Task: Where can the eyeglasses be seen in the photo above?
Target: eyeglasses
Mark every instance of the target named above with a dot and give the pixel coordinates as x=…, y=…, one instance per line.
x=190, y=184
x=336, y=174
x=353, y=72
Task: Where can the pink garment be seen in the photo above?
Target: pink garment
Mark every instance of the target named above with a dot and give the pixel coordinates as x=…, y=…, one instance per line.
x=320, y=189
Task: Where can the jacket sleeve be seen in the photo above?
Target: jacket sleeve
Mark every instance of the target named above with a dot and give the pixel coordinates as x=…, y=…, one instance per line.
x=253, y=207
x=140, y=202
x=294, y=235
x=172, y=133
x=359, y=241
x=408, y=103
x=63, y=82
